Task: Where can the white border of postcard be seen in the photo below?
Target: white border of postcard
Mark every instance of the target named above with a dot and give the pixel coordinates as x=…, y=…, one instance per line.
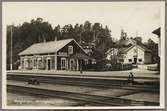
x=162, y=69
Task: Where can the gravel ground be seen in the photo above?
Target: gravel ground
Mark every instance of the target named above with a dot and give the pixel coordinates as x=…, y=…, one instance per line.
x=112, y=92
x=17, y=99
x=143, y=96
x=20, y=99
x=69, y=88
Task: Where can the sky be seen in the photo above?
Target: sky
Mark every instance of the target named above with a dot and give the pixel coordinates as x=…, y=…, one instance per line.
x=136, y=18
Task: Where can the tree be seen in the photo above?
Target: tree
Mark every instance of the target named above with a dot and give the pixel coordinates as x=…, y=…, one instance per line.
x=103, y=40
x=78, y=31
x=57, y=32
x=38, y=30
x=25, y=35
x=87, y=26
x=67, y=32
x=87, y=35
x=150, y=44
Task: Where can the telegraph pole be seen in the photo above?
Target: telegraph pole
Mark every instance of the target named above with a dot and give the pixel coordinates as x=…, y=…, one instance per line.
x=11, y=53
x=80, y=54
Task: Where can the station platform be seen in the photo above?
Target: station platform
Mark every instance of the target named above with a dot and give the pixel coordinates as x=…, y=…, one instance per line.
x=136, y=72
x=139, y=75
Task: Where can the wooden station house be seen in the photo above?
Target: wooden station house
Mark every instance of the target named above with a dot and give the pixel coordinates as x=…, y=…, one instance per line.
x=54, y=55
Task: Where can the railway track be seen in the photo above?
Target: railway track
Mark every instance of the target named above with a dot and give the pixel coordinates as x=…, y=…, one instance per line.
x=87, y=98
x=88, y=82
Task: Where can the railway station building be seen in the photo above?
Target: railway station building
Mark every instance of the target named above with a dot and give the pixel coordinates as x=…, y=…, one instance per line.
x=54, y=55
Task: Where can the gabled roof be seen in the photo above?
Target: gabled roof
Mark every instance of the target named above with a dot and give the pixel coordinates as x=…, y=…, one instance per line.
x=129, y=44
x=110, y=50
x=157, y=31
x=126, y=42
x=126, y=49
x=47, y=47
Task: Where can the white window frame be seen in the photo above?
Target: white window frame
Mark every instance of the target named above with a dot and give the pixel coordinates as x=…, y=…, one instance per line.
x=26, y=62
x=63, y=59
x=70, y=49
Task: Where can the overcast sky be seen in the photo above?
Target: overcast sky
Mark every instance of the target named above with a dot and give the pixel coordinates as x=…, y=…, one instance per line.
x=134, y=17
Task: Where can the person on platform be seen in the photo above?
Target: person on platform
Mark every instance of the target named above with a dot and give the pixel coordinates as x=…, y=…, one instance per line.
x=131, y=78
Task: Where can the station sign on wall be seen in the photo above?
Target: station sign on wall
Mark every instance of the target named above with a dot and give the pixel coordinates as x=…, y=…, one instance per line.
x=62, y=53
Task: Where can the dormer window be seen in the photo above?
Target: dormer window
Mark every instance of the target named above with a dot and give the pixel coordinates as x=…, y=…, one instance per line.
x=70, y=49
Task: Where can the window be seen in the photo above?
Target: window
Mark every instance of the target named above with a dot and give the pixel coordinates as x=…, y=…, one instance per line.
x=31, y=63
x=140, y=60
x=26, y=63
x=130, y=60
x=35, y=62
x=40, y=63
x=121, y=60
x=70, y=49
x=63, y=63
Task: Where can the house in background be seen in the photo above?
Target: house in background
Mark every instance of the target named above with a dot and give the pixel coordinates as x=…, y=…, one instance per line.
x=135, y=54
x=129, y=51
x=112, y=55
x=88, y=48
x=158, y=33
x=55, y=55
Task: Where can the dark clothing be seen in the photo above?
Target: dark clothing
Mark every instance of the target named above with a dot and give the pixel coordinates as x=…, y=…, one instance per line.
x=131, y=78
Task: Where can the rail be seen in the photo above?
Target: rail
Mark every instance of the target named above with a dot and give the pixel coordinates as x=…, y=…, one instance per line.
x=121, y=84
x=99, y=100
